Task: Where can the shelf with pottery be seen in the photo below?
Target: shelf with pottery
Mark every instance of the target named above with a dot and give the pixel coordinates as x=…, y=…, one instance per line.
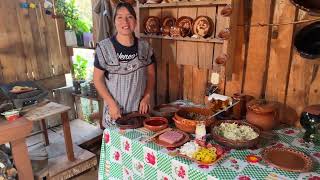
x=208, y=40
x=185, y=4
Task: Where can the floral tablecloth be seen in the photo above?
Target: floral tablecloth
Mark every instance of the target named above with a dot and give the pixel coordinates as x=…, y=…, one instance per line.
x=123, y=156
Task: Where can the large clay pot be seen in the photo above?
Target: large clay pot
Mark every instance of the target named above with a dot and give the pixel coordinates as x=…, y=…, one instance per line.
x=262, y=114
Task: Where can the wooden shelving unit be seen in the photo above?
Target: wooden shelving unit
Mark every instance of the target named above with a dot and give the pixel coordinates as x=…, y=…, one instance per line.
x=186, y=4
x=209, y=40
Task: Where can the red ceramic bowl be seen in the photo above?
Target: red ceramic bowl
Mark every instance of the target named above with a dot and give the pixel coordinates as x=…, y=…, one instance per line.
x=155, y=123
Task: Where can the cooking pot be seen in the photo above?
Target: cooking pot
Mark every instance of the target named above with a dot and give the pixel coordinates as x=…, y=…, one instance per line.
x=311, y=6
x=307, y=41
x=262, y=114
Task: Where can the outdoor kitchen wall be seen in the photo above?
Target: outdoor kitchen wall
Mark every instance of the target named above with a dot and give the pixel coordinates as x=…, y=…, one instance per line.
x=31, y=45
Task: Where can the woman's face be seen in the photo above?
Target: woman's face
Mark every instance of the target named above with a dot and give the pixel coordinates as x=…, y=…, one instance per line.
x=125, y=22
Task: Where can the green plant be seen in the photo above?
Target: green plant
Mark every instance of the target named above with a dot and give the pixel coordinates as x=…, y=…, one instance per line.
x=80, y=68
x=68, y=10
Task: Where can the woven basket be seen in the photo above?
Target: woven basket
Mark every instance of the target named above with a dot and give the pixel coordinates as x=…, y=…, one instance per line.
x=231, y=143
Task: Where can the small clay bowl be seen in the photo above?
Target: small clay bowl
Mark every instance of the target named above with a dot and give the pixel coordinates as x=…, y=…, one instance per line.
x=155, y=123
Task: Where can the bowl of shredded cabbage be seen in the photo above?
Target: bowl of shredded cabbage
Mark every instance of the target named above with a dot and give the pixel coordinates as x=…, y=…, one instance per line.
x=235, y=134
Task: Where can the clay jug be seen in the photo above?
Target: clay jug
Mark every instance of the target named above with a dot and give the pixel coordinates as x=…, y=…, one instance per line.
x=262, y=114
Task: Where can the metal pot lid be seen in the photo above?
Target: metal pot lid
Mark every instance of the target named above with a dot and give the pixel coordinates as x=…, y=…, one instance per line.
x=307, y=41
x=308, y=5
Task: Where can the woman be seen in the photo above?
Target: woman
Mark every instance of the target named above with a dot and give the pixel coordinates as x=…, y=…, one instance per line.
x=124, y=72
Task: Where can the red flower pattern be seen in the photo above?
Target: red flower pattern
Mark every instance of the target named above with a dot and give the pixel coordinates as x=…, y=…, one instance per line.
x=278, y=145
x=151, y=159
x=107, y=138
x=244, y=178
x=165, y=178
x=317, y=154
x=290, y=131
x=116, y=156
x=126, y=146
x=314, y=178
x=181, y=172
x=234, y=161
x=203, y=166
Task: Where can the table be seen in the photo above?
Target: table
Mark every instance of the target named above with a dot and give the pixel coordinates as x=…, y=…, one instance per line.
x=98, y=99
x=123, y=156
x=15, y=132
x=49, y=109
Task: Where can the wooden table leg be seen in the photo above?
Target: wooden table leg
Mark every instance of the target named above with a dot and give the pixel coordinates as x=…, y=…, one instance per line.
x=45, y=132
x=21, y=159
x=67, y=136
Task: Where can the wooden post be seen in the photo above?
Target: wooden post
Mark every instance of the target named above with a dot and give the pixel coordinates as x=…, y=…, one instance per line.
x=67, y=136
x=45, y=132
x=21, y=159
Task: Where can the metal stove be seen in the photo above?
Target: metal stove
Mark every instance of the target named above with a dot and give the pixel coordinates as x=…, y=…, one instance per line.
x=23, y=99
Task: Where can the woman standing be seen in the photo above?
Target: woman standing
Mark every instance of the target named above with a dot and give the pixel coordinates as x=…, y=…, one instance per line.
x=124, y=72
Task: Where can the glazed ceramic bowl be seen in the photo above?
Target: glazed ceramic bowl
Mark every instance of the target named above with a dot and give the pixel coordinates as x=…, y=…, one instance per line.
x=155, y=123
x=184, y=122
x=235, y=144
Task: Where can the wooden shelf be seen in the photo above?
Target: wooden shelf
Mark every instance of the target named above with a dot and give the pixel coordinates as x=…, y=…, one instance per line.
x=186, y=4
x=208, y=40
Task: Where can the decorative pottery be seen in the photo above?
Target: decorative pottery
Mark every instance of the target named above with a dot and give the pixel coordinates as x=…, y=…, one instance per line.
x=152, y=25
x=189, y=125
x=232, y=143
x=167, y=23
x=310, y=121
x=262, y=114
x=185, y=24
x=226, y=11
x=222, y=59
x=155, y=123
x=224, y=34
x=175, y=31
x=287, y=159
x=203, y=26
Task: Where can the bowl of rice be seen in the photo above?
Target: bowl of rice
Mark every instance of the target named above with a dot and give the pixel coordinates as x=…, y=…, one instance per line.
x=235, y=134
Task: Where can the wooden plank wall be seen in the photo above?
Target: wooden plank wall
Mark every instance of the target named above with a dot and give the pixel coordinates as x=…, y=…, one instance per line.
x=32, y=47
x=267, y=64
x=183, y=67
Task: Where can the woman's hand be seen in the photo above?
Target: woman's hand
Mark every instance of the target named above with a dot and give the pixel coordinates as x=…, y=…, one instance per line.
x=144, y=105
x=114, y=111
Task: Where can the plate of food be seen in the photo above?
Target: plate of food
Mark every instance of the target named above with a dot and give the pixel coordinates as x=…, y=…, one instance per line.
x=131, y=120
x=202, y=154
x=235, y=134
x=172, y=139
x=21, y=89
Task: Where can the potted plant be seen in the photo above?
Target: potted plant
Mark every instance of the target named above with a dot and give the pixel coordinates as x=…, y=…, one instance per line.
x=68, y=10
x=80, y=73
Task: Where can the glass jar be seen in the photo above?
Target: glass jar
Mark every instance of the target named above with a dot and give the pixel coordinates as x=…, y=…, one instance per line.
x=201, y=130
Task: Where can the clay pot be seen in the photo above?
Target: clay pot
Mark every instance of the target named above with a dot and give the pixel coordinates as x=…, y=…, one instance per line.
x=222, y=59
x=155, y=123
x=224, y=34
x=262, y=114
x=189, y=125
x=240, y=109
x=226, y=11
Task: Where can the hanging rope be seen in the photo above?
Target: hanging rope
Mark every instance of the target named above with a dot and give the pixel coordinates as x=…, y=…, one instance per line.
x=279, y=24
